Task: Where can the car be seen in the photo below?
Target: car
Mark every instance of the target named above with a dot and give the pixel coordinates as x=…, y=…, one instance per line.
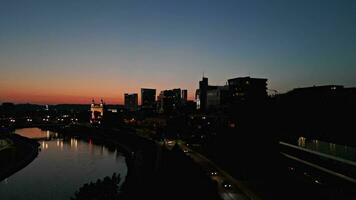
x=226, y=185
x=212, y=172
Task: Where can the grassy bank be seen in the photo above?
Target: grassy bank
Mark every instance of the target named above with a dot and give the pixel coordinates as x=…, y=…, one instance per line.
x=19, y=154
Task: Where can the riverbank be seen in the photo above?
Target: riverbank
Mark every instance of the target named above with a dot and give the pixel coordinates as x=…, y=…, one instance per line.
x=139, y=152
x=17, y=156
x=154, y=172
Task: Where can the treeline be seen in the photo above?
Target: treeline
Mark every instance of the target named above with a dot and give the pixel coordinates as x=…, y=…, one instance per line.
x=107, y=188
x=153, y=171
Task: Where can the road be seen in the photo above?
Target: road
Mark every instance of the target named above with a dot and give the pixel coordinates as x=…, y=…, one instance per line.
x=237, y=191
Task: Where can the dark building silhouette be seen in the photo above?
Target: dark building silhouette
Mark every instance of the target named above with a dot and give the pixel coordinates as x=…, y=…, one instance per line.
x=177, y=95
x=217, y=96
x=350, y=93
x=165, y=101
x=184, y=96
x=131, y=101
x=238, y=90
x=248, y=89
x=148, y=98
x=316, y=91
x=319, y=111
x=169, y=100
x=211, y=96
x=316, y=96
x=202, y=94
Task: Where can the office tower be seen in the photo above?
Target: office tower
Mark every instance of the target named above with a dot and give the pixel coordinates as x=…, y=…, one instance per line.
x=203, y=89
x=184, y=96
x=131, y=101
x=148, y=98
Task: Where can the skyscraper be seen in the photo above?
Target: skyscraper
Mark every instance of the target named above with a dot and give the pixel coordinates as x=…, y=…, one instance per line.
x=131, y=101
x=169, y=100
x=203, y=89
x=148, y=98
x=177, y=95
x=184, y=96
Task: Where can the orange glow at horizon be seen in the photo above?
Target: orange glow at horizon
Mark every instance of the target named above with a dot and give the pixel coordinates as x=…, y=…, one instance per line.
x=65, y=98
x=82, y=87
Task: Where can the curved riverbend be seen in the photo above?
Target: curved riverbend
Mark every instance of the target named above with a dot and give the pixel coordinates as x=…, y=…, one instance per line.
x=63, y=165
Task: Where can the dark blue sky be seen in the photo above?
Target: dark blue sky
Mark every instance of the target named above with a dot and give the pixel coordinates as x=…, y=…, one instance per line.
x=72, y=49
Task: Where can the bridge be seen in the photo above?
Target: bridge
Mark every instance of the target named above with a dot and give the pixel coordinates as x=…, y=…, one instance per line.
x=97, y=111
x=331, y=165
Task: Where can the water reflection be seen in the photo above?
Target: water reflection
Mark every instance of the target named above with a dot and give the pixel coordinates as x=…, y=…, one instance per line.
x=62, y=166
x=36, y=133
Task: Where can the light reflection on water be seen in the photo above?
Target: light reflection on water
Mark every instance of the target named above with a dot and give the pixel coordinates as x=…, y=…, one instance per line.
x=36, y=133
x=62, y=166
x=337, y=150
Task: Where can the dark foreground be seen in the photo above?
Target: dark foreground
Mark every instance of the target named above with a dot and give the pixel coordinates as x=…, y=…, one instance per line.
x=154, y=172
x=19, y=152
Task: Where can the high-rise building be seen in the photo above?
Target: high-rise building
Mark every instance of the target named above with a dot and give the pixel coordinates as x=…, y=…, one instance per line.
x=248, y=89
x=184, y=96
x=203, y=89
x=169, y=100
x=217, y=96
x=237, y=90
x=177, y=96
x=131, y=101
x=148, y=98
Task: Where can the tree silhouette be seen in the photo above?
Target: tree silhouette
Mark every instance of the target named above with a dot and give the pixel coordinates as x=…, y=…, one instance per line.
x=102, y=189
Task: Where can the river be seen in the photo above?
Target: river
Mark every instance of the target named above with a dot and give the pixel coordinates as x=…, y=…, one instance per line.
x=62, y=166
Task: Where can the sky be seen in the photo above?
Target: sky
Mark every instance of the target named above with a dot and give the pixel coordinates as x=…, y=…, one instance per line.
x=71, y=51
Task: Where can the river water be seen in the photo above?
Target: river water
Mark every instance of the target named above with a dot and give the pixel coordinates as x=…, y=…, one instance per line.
x=62, y=166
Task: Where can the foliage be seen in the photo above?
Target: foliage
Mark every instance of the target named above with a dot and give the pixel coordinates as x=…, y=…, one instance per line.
x=106, y=188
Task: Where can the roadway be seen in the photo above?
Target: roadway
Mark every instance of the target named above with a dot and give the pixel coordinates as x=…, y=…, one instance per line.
x=237, y=191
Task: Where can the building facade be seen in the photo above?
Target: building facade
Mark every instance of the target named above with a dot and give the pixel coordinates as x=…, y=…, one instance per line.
x=203, y=89
x=184, y=96
x=148, y=98
x=248, y=89
x=169, y=100
x=217, y=96
x=97, y=112
x=131, y=102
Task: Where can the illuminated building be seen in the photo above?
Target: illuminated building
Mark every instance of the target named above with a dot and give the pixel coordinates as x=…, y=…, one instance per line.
x=97, y=111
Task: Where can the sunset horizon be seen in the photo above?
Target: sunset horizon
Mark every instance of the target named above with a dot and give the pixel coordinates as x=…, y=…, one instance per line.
x=53, y=52
x=177, y=100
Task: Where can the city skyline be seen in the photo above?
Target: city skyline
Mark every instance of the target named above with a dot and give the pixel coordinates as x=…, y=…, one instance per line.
x=70, y=52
